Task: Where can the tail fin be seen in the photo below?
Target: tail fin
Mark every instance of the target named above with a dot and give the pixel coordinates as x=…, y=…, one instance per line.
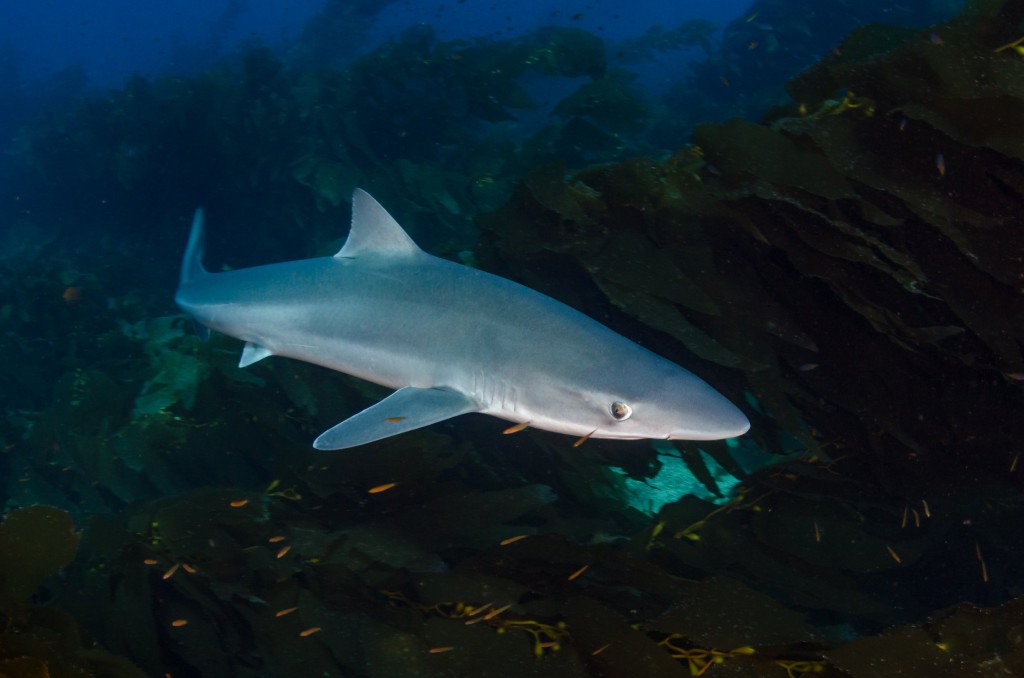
x=192, y=264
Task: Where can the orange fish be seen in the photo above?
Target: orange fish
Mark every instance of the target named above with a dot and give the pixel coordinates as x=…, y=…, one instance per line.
x=517, y=428
x=72, y=295
x=512, y=540
x=577, y=573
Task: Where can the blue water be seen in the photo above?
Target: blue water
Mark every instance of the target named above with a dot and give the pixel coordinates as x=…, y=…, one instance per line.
x=112, y=40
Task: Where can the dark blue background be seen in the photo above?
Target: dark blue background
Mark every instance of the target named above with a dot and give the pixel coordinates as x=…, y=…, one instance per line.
x=111, y=39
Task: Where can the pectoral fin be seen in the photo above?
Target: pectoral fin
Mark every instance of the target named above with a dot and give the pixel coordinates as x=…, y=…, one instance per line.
x=404, y=410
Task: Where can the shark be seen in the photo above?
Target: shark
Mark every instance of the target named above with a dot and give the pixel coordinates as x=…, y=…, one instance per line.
x=449, y=339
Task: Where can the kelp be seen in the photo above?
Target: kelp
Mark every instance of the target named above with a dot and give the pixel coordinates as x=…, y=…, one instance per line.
x=849, y=269
x=37, y=542
x=914, y=252
x=410, y=575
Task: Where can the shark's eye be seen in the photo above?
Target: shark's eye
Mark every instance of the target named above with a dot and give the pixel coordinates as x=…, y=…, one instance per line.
x=621, y=411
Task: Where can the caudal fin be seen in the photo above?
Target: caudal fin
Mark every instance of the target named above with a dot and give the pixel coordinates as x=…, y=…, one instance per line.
x=192, y=264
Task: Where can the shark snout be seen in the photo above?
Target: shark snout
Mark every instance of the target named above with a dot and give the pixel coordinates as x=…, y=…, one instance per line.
x=720, y=419
x=718, y=432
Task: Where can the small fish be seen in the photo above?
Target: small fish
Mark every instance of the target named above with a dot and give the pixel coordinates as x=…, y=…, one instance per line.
x=817, y=532
x=894, y=555
x=285, y=611
x=748, y=20
x=380, y=488
x=580, y=441
x=278, y=538
x=394, y=420
x=188, y=568
x=496, y=611
x=512, y=540
x=578, y=572
x=150, y=561
x=170, y=573
x=439, y=650
x=600, y=649
x=984, y=567
x=72, y=295
x=283, y=552
x=178, y=623
x=474, y=611
x=239, y=503
x=940, y=164
x=310, y=631
x=517, y=428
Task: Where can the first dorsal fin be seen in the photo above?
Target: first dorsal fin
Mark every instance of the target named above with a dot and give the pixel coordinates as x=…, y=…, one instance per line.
x=374, y=231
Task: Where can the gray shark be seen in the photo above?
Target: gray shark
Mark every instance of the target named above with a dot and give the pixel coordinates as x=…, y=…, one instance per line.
x=451, y=340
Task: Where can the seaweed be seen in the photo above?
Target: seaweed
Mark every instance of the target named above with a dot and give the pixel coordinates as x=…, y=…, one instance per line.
x=36, y=543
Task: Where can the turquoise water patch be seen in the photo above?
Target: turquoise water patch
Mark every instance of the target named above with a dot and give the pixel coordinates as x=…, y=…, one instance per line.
x=677, y=478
